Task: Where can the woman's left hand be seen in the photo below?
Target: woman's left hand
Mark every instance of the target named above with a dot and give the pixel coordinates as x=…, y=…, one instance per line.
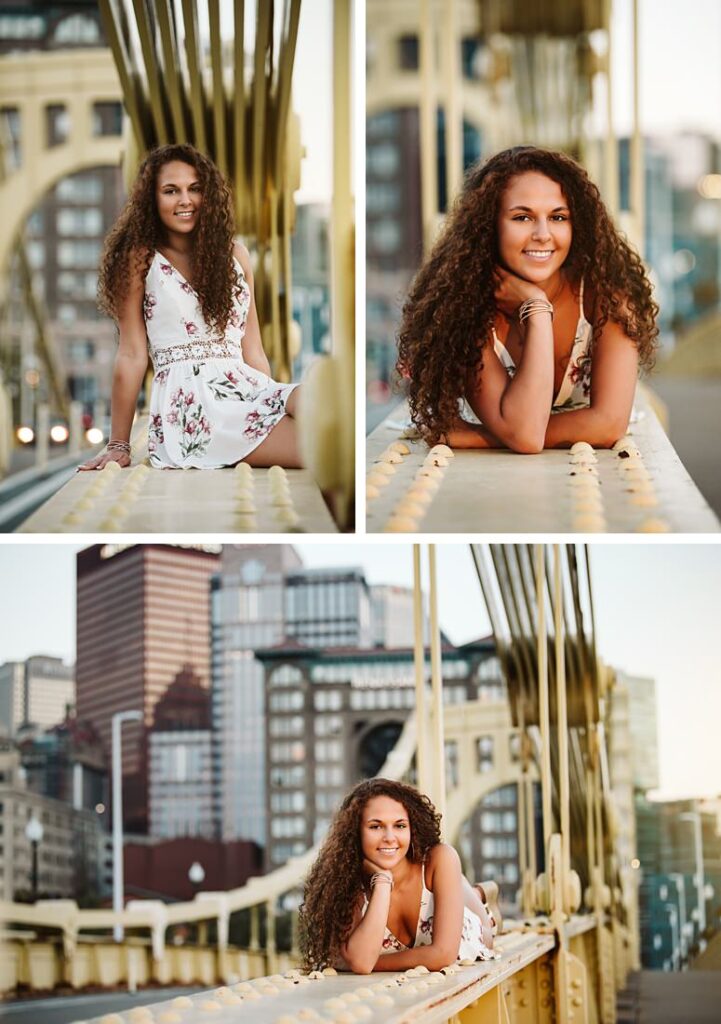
x=512, y=291
x=373, y=869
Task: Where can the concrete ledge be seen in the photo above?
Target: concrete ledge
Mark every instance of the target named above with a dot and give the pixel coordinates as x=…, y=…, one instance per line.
x=498, y=491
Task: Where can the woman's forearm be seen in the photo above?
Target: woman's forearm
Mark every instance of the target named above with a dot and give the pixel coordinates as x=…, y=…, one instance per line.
x=361, y=949
x=127, y=379
x=431, y=956
x=526, y=402
x=599, y=427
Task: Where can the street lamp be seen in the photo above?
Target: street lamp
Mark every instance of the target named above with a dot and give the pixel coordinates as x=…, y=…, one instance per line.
x=196, y=874
x=118, y=885
x=34, y=835
x=695, y=818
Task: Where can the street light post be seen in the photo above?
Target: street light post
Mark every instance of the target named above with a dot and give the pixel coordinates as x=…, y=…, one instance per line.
x=118, y=882
x=695, y=818
x=34, y=835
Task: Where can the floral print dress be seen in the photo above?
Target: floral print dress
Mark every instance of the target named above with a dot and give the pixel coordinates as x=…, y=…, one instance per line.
x=471, y=946
x=208, y=408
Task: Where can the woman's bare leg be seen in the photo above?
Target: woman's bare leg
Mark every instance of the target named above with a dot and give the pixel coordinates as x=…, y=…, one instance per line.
x=293, y=401
x=280, y=447
x=472, y=900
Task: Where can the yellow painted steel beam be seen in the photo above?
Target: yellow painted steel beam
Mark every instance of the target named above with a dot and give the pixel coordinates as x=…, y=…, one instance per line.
x=438, y=755
x=428, y=125
x=544, y=711
x=155, y=93
x=193, y=54
x=132, y=100
x=637, y=160
x=561, y=717
x=454, y=109
x=286, y=58
x=218, y=91
x=259, y=137
x=239, y=110
x=422, y=769
x=171, y=65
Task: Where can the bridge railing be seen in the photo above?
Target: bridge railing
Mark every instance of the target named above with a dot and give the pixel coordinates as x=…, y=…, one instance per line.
x=543, y=974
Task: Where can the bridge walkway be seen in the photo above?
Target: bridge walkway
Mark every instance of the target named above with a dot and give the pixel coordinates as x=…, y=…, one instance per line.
x=499, y=491
x=655, y=997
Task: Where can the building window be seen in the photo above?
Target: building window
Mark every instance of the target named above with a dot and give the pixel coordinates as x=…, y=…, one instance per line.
x=107, y=119
x=287, y=751
x=329, y=775
x=384, y=236
x=286, y=726
x=329, y=725
x=292, y=701
x=57, y=123
x=328, y=700
x=79, y=222
x=408, y=55
x=80, y=188
x=328, y=750
x=10, y=117
x=285, y=675
x=77, y=29
x=451, y=752
x=383, y=160
x=78, y=254
x=67, y=313
x=83, y=389
x=485, y=753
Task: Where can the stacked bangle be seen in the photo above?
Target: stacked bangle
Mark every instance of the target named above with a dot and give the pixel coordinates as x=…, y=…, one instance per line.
x=532, y=306
x=382, y=877
x=118, y=446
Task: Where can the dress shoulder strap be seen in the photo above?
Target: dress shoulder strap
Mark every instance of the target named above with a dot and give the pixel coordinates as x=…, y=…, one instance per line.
x=580, y=300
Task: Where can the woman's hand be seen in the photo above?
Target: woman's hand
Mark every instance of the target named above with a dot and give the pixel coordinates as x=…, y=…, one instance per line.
x=512, y=291
x=371, y=869
x=101, y=460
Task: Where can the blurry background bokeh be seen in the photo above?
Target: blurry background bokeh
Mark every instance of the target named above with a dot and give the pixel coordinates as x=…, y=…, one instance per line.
x=631, y=88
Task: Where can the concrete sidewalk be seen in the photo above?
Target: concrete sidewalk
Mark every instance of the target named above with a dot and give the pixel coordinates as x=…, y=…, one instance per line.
x=655, y=997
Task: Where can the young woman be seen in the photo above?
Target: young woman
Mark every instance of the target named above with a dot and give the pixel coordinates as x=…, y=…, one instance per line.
x=182, y=292
x=526, y=326
x=386, y=894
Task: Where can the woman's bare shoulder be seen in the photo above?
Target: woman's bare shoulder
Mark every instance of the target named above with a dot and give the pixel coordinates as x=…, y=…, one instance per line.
x=243, y=257
x=441, y=857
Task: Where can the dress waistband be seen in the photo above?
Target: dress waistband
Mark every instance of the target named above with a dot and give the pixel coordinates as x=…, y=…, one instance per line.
x=194, y=351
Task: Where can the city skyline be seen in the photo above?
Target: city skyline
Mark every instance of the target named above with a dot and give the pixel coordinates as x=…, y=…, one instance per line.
x=670, y=640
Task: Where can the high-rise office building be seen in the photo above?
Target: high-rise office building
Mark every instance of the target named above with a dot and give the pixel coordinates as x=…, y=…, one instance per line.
x=262, y=597
x=643, y=729
x=179, y=755
x=37, y=691
x=248, y=612
x=143, y=613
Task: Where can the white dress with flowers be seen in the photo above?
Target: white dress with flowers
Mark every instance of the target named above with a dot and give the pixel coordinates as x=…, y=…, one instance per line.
x=208, y=408
x=471, y=945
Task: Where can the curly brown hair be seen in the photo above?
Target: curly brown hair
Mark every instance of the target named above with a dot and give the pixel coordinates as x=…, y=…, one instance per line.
x=450, y=309
x=131, y=244
x=336, y=880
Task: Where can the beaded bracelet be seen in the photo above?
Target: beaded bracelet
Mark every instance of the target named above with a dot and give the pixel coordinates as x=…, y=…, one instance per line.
x=380, y=876
x=532, y=306
x=118, y=446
